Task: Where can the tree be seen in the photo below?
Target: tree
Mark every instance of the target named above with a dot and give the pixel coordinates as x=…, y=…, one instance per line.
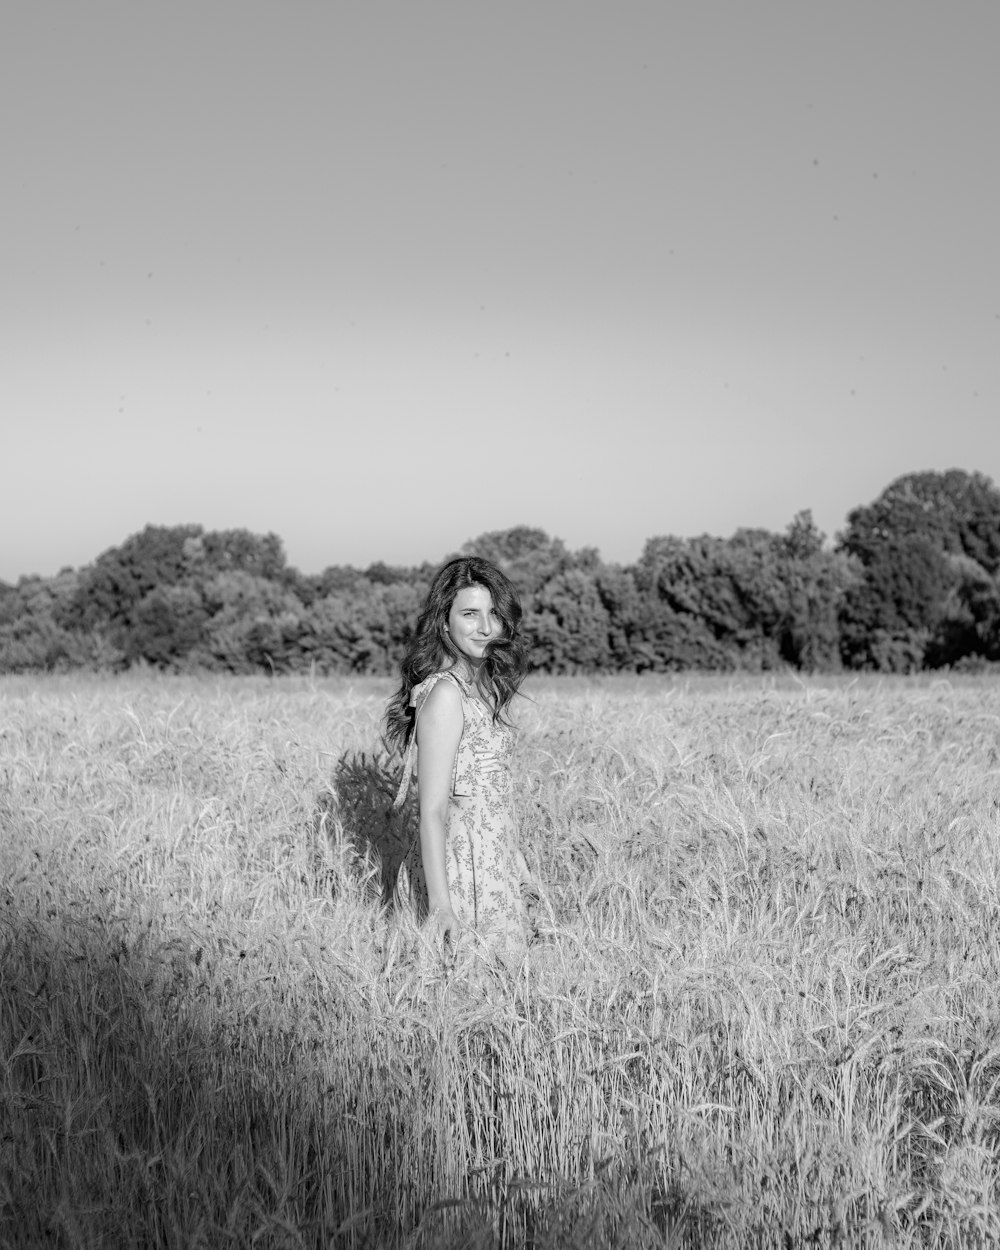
x=243, y=633
x=970, y=617
x=568, y=625
x=121, y=576
x=337, y=579
x=929, y=549
x=955, y=512
x=383, y=574
x=689, y=615
x=168, y=624
x=260, y=555
x=755, y=601
x=33, y=637
x=619, y=594
x=816, y=582
x=892, y=610
x=529, y=557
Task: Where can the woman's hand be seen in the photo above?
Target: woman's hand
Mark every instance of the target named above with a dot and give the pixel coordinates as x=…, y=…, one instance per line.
x=445, y=926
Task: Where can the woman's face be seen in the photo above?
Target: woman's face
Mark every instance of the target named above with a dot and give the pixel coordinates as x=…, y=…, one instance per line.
x=472, y=623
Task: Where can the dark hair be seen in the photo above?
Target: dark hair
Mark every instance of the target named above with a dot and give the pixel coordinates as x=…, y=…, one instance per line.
x=504, y=663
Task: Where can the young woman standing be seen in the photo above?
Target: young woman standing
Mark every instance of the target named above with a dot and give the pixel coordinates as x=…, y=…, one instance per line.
x=463, y=668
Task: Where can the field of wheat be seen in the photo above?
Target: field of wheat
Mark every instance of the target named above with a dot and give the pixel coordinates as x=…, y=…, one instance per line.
x=762, y=1009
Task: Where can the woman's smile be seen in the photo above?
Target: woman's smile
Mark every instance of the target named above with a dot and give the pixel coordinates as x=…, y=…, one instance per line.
x=472, y=621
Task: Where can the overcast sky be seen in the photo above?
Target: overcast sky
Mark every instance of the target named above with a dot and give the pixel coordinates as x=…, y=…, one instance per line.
x=380, y=277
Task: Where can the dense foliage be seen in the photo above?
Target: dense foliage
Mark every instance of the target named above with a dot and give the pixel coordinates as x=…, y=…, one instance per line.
x=912, y=582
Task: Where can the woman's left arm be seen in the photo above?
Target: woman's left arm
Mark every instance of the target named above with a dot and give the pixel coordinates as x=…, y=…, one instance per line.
x=439, y=730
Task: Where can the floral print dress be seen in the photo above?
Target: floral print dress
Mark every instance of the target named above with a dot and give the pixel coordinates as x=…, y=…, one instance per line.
x=484, y=865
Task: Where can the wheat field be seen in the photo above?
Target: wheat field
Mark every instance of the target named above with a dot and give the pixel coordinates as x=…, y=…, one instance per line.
x=762, y=1008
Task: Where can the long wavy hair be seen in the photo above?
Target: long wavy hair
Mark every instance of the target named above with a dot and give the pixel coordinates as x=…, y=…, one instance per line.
x=431, y=649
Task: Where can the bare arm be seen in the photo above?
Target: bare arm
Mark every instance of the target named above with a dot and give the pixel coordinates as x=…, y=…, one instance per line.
x=439, y=731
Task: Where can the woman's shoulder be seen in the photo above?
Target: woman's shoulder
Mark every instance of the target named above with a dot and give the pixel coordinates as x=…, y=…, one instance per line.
x=422, y=690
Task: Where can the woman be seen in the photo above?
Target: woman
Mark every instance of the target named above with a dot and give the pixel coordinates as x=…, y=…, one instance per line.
x=462, y=669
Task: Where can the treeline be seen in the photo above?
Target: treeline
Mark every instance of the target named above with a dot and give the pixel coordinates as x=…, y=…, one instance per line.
x=912, y=582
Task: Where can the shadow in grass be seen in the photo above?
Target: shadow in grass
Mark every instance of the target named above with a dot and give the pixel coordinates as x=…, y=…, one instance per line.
x=147, y=1100
x=357, y=816
x=139, y=1107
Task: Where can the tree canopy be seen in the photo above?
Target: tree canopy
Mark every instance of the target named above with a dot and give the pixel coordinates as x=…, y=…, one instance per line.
x=928, y=550
x=913, y=581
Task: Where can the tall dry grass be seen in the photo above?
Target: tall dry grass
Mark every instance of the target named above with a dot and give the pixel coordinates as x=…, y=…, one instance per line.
x=763, y=1010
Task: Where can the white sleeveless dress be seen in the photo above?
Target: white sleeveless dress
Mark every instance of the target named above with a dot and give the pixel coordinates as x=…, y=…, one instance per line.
x=484, y=865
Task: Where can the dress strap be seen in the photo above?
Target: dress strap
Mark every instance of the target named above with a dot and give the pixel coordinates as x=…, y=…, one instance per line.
x=404, y=781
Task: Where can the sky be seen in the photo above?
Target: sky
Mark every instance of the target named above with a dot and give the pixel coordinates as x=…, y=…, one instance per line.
x=380, y=276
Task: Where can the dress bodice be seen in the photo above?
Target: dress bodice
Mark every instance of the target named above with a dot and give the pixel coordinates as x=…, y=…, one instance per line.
x=486, y=747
